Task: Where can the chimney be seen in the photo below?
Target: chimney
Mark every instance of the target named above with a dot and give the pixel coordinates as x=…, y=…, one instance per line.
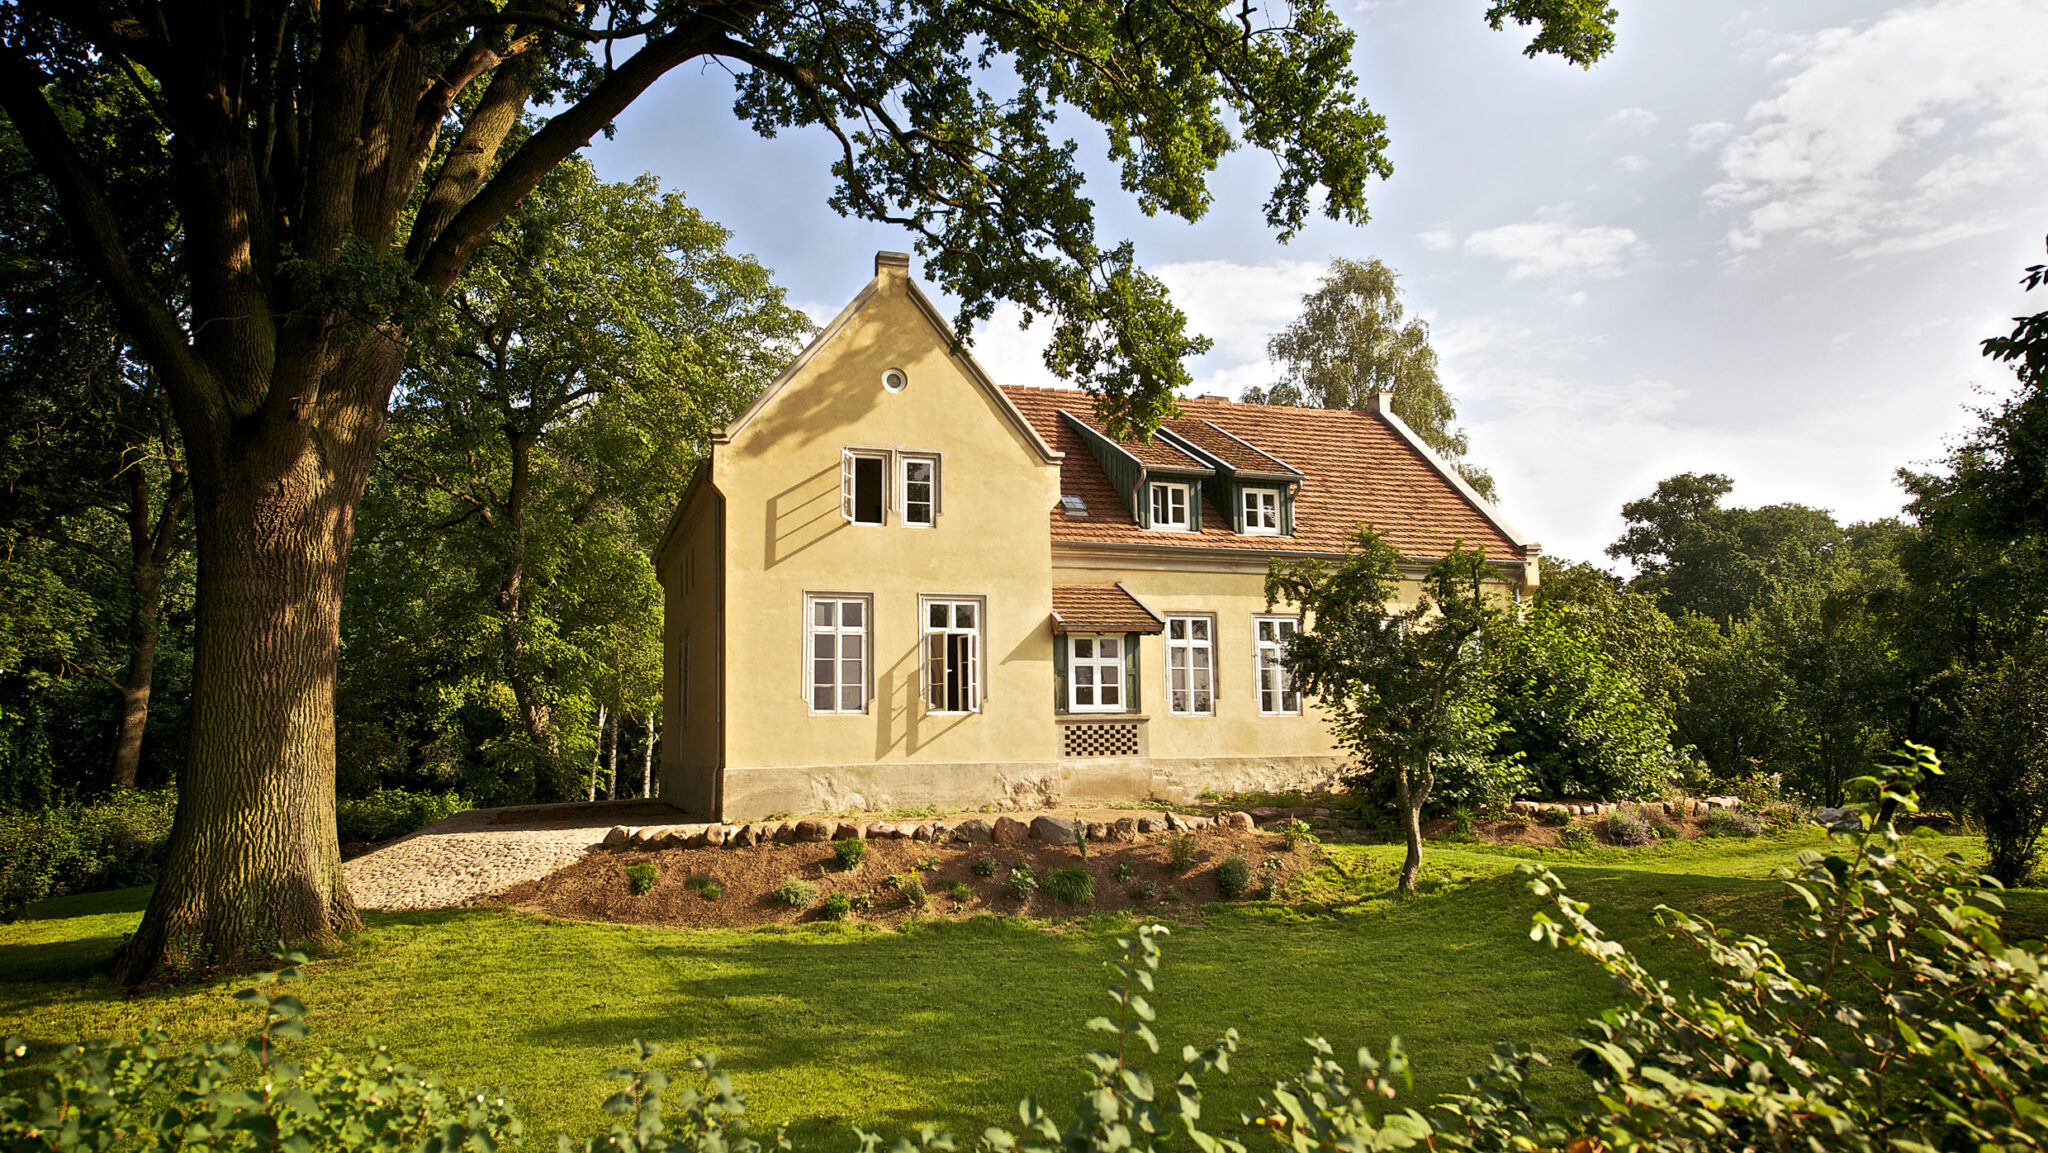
x=892, y=260
x=1380, y=402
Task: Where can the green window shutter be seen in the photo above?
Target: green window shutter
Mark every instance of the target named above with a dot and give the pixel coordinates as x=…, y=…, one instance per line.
x=1236, y=492
x=1059, y=673
x=1194, y=507
x=1132, y=699
x=1286, y=510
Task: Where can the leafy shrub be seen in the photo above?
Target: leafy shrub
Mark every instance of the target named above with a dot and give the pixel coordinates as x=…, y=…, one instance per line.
x=2003, y=744
x=1580, y=724
x=984, y=866
x=1021, y=882
x=1578, y=838
x=958, y=890
x=913, y=893
x=707, y=887
x=847, y=853
x=1627, y=827
x=389, y=813
x=796, y=892
x=73, y=848
x=640, y=877
x=1180, y=852
x=1144, y=892
x=1464, y=822
x=1297, y=832
x=1667, y=832
x=837, y=905
x=1465, y=779
x=1555, y=818
x=1122, y=873
x=1233, y=876
x=1730, y=823
x=1070, y=886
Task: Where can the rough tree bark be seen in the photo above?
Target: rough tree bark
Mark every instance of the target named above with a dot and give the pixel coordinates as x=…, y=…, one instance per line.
x=1411, y=800
x=647, y=760
x=152, y=543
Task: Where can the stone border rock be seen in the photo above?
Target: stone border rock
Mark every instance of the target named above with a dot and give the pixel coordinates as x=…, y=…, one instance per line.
x=1689, y=806
x=1002, y=830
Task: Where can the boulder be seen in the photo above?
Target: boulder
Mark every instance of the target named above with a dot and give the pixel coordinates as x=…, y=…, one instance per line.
x=1175, y=823
x=1237, y=820
x=1840, y=820
x=941, y=832
x=1151, y=824
x=1265, y=813
x=1053, y=830
x=847, y=831
x=1123, y=829
x=974, y=831
x=1196, y=824
x=1010, y=831
x=1098, y=830
x=745, y=837
x=773, y=831
x=714, y=836
x=619, y=835
x=812, y=830
x=921, y=833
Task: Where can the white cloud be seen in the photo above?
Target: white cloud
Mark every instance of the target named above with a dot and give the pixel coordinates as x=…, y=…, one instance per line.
x=1701, y=137
x=1632, y=163
x=1437, y=239
x=1552, y=248
x=1633, y=119
x=1885, y=133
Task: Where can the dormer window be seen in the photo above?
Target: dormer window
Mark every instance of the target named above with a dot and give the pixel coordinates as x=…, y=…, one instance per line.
x=1262, y=512
x=1169, y=507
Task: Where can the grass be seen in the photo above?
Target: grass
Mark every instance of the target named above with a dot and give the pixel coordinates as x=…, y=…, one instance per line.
x=835, y=1025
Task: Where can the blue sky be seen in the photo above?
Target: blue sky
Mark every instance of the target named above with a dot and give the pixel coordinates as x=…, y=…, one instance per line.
x=1758, y=240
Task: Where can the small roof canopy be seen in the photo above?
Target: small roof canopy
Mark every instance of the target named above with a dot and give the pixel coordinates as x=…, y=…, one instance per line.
x=1101, y=609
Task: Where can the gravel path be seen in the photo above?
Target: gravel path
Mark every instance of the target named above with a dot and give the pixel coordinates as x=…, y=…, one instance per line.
x=475, y=854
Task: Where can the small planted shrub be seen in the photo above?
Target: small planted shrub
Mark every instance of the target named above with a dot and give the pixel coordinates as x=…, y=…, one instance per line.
x=1297, y=832
x=1070, y=886
x=1233, y=876
x=1122, y=873
x=1180, y=852
x=1625, y=827
x=1556, y=818
x=1464, y=821
x=1144, y=892
x=847, y=854
x=796, y=892
x=861, y=902
x=1666, y=832
x=837, y=905
x=984, y=866
x=1021, y=882
x=958, y=890
x=1730, y=823
x=707, y=887
x=640, y=877
x=913, y=892
x=1578, y=838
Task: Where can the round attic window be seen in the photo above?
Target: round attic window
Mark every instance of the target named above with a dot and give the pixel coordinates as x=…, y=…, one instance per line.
x=894, y=380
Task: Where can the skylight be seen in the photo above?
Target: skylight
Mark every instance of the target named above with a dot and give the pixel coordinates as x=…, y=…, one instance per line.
x=1074, y=505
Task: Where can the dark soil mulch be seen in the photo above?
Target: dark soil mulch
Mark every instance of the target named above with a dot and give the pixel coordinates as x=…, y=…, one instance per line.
x=595, y=888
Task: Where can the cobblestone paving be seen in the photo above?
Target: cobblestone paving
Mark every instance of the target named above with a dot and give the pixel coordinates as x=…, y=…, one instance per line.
x=472, y=855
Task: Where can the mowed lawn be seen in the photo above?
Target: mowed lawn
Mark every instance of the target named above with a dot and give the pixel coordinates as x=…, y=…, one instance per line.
x=946, y=1023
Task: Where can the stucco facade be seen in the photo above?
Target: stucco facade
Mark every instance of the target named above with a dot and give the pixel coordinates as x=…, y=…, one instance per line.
x=861, y=600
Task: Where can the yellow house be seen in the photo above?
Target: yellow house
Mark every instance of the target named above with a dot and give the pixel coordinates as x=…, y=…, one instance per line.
x=895, y=583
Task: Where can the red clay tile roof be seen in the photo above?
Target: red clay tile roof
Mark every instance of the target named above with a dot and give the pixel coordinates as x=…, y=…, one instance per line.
x=1225, y=447
x=1154, y=453
x=1100, y=609
x=1358, y=471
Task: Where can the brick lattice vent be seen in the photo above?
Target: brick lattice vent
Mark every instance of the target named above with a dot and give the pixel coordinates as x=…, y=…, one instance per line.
x=1104, y=740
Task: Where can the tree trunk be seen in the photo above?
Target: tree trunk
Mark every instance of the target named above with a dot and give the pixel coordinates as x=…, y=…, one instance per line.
x=1411, y=800
x=597, y=754
x=135, y=689
x=151, y=541
x=647, y=760
x=611, y=762
x=533, y=712
x=253, y=864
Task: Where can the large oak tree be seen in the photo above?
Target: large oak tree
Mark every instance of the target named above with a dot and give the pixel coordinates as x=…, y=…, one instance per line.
x=335, y=164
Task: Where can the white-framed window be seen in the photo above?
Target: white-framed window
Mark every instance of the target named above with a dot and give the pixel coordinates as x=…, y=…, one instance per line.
x=952, y=655
x=1277, y=694
x=1095, y=673
x=1262, y=512
x=836, y=652
x=862, y=492
x=917, y=493
x=1191, y=666
x=1169, y=506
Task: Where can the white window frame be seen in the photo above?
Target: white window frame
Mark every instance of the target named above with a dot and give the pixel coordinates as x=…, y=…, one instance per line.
x=1168, y=488
x=1266, y=661
x=971, y=637
x=847, y=485
x=1097, y=666
x=903, y=501
x=1268, y=502
x=841, y=633
x=1180, y=659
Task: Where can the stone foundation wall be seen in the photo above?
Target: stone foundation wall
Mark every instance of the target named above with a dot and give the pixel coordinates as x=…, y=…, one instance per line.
x=752, y=793
x=1049, y=829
